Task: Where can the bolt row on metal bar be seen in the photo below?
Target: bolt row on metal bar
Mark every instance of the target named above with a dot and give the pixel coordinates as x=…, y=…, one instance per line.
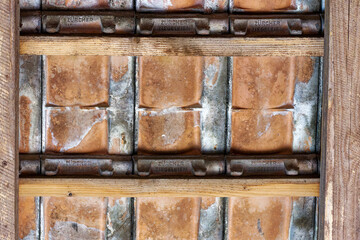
x=131, y=23
x=154, y=166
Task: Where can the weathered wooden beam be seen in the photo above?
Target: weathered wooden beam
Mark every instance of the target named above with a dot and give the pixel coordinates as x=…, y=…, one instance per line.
x=9, y=34
x=162, y=46
x=221, y=187
x=340, y=175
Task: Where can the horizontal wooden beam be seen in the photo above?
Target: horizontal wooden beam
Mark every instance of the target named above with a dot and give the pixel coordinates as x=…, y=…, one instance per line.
x=225, y=187
x=178, y=46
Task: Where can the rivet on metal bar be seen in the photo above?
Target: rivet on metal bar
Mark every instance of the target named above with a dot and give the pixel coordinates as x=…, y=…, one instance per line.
x=72, y=166
x=182, y=24
x=272, y=166
x=88, y=23
x=275, y=25
x=29, y=165
x=182, y=165
x=30, y=22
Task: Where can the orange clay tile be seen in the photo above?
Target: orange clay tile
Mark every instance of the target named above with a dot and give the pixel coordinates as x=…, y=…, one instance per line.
x=264, y=5
x=76, y=130
x=170, y=5
x=27, y=217
x=170, y=81
x=261, y=131
x=87, y=4
x=259, y=218
x=77, y=80
x=263, y=82
x=167, y=218
x=169, y=132
x=74, y=218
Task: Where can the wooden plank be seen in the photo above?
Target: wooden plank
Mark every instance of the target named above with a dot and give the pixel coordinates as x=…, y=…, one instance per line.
x=8, y=118
x=340, y=198
x=157, y=46
x=168, y=187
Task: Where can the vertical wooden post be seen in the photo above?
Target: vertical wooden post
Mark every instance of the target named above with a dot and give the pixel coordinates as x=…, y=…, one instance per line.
x=9, y=34
x=340, y=173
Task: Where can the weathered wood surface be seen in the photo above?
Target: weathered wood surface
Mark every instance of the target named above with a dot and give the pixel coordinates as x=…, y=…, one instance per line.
x=8, y=119
x=340, y=201
x=168, y=187
x=157, y=46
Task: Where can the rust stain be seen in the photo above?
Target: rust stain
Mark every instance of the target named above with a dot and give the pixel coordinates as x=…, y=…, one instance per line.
x=212, y=68
x=119, y=67
x=305, y=68
x=207, y=202
x=115, y=145
x=27, y=216
x=25, y=124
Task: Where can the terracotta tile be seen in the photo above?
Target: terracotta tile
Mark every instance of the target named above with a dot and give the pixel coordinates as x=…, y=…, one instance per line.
x=30, y=104
x=170, y=81
x=263, y=82
x=28, y=218
x=182, y=5
x=75, y=130
x=77, y=80
x=259, y=218
x=169, y=132
x=88, y=5
x=166, y=5
x=264, y=5
x=119, y=67
x=74, y=218
x=119, y=218
x=260, y=132
x=167, y=218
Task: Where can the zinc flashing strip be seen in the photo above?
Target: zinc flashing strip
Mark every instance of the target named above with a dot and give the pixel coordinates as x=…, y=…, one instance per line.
x=120, y=111
x=305, y=112
x=213, y=101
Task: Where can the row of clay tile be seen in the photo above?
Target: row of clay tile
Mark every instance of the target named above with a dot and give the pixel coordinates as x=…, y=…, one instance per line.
x=167, y=218
x=177, y=5
x=168, y=105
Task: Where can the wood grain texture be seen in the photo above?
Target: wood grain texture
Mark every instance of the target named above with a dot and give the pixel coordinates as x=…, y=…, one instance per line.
x=177, y=46
x=340, y=186
x=168, y=187
x=8, y=118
